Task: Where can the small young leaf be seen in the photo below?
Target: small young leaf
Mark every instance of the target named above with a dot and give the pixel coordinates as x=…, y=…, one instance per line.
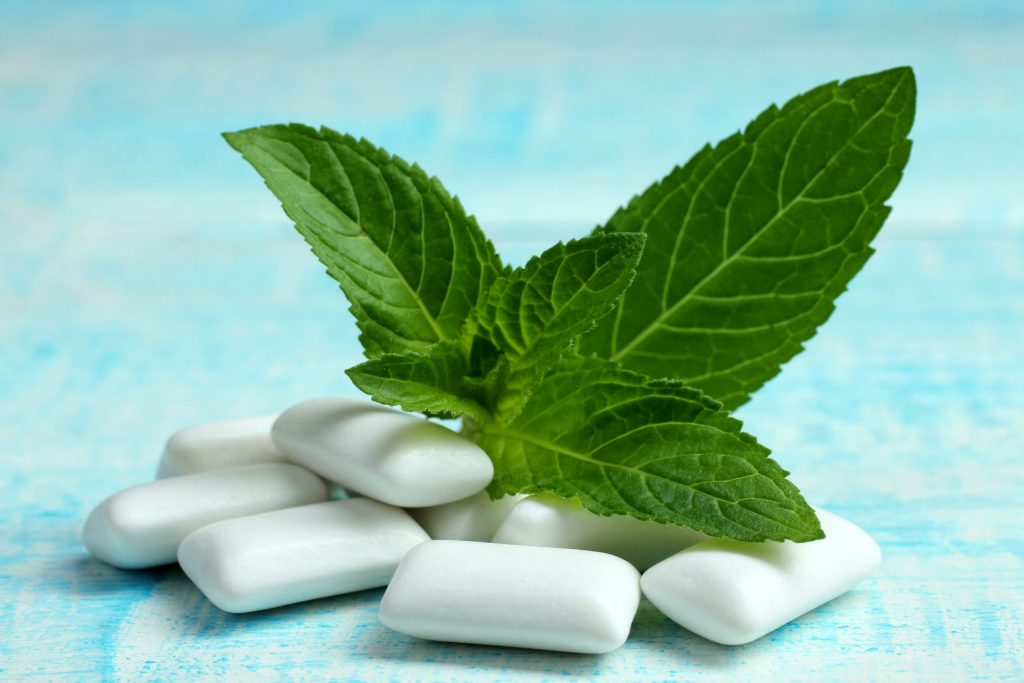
x=533, y=314
x=750, y=243
x=623, y=444
x=409, y=259
x=434, y=382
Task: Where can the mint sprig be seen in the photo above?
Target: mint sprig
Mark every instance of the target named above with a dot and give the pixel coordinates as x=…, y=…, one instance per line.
x=533, y=314
x=747, y=247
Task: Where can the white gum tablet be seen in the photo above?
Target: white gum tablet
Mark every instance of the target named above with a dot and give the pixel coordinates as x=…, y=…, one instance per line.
x=551, y=521
x=381, y=453
x=143, y=525
x=475, y=518
x=219, y=445
x=732, y=592
x=302, y=553
x=512, y=595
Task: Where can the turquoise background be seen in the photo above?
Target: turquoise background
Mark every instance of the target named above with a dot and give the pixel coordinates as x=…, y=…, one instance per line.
x=149, y=281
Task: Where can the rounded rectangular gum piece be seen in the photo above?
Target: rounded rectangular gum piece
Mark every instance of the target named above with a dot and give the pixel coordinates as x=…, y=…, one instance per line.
x=219, y=445
x=303, y=553
x=512, y=595
x=396, y=458
x=732, y=592
x=143, y=525
x=475, y=518
x=551, y=521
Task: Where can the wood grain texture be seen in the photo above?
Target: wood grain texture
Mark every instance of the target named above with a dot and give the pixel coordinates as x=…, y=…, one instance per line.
x=902, y=416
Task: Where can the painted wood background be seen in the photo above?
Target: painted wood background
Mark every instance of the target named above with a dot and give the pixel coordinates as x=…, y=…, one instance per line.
x=148, y=281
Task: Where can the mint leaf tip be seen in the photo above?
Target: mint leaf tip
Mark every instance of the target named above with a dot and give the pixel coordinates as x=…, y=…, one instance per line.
x=412, y=263
x=752, y=240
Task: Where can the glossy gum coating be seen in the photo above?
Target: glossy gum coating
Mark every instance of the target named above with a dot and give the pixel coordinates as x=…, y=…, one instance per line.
x=551, y=521
x=219, y=445
x=142, y=526
x=513, y=595
x=733, y=592
x=475, y=518
x=302, y=553
x=381, y=453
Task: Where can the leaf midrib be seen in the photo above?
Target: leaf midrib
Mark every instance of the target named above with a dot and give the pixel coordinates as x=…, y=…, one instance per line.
x=394, y=219
x=584, y=287
x=544, y=443
x=362, y=235
x=652, y=327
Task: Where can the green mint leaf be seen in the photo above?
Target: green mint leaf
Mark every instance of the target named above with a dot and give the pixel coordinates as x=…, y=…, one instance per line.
x=750, y=243
x=624, y=444
x=533, y=314
x=434, y=382
x=411, y=262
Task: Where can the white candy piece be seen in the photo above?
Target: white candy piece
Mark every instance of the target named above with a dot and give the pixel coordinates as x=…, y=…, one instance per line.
x=303, y=553
x=517, y=596
x=555, y=522
x=219, y=445
x=471, y=519
x=732, y=592
x=143, y=525
x=387, y=455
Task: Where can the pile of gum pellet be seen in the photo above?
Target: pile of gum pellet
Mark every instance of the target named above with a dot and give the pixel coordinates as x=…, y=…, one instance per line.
x=337, y=495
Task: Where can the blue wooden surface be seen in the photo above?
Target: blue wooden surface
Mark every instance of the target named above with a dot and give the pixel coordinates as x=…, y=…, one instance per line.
x=148, y=281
